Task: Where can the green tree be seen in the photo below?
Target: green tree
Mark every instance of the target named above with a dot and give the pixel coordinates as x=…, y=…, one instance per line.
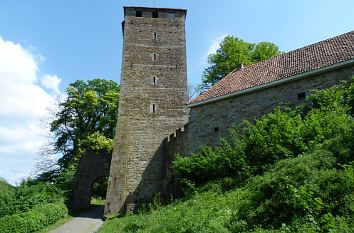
x=233, y=53
x=86, y=120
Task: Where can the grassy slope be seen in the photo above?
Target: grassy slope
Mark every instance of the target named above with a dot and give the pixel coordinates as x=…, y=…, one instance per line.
x=59, y=223
x=207, y=212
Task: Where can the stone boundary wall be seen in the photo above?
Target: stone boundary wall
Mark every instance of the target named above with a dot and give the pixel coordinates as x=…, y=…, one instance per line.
x=212, y=121
x=174, y=144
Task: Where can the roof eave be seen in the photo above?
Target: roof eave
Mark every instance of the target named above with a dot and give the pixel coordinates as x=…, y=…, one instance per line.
x=274, y=83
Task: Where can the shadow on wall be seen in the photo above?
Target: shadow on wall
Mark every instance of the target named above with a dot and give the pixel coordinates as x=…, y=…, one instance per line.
x=156, y=178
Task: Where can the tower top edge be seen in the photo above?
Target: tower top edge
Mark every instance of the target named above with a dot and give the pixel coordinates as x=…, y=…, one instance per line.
x=154, y=9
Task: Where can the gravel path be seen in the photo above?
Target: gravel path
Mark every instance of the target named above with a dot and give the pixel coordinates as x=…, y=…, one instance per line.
x=87, y=222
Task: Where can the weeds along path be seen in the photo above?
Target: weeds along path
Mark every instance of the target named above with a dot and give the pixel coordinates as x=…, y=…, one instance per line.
x=87, y=222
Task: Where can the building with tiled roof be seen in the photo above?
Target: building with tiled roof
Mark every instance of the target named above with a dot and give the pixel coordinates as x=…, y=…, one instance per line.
x=317, y=57
x=256, y=89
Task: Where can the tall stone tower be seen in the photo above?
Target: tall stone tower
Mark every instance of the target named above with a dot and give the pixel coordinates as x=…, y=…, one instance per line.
x=152, y=103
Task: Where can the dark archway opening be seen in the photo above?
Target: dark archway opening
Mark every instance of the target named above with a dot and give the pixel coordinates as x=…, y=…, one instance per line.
x=99, y=191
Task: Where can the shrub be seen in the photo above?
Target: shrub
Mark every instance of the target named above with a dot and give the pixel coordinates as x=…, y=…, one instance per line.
x=228, y=159
x=277, y=135
x=26, y=196
x=309, y=188
x=33, y=220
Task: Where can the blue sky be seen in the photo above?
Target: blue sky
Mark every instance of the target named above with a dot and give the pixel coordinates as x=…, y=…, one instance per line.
x=45, y=45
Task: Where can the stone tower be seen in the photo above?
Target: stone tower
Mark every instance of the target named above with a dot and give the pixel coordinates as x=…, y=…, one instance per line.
x=153, y=103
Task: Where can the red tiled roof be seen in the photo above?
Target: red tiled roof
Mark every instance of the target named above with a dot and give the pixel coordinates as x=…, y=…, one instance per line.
x=325, y=53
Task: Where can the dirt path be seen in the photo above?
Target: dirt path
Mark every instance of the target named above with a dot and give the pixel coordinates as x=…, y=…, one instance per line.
x=87, y=222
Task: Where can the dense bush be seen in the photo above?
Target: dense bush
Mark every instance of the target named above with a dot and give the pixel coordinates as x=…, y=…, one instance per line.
x=210, y=163
x=307, y=189
x=26, y=196
x=33, y=220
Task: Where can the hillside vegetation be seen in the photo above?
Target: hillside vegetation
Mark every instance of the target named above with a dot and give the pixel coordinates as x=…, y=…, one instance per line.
x=30, y=207
x=291, y=170
x=4, y=185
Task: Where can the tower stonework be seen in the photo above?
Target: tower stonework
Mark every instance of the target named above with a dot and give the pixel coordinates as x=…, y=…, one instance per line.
x=153, y=103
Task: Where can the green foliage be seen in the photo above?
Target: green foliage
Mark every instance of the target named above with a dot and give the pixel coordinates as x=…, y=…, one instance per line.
x=278, y=135
x=204, y=212
x=97, y=201
x=4, y=185
x=99, y=188
x=27, y=196
x=33, y=220
x=228, y=159
x=308, y=188
x=232, y=53
x=305, y=194
x=64, y=180
x=97, y=142
x=86, y=120
x=287, y=133
x=263, y=51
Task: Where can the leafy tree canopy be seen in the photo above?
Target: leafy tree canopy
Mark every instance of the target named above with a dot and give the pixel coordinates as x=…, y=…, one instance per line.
x=86, y=120
x=233, y=53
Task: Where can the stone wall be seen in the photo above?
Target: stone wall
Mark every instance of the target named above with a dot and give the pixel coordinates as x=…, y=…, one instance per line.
x=172, y=145
x=152, y=105
x=212, y=121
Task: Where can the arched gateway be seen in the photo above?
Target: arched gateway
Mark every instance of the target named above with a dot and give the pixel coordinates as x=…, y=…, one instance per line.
x=92, y=167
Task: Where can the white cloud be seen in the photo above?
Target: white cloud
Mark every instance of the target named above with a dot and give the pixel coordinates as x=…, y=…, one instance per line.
x=22, y=103
x=215, y=45
x=51, y=82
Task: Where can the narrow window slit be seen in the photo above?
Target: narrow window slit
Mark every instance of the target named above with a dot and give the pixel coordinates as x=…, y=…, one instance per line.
x=155, y=36
x=153, y=108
